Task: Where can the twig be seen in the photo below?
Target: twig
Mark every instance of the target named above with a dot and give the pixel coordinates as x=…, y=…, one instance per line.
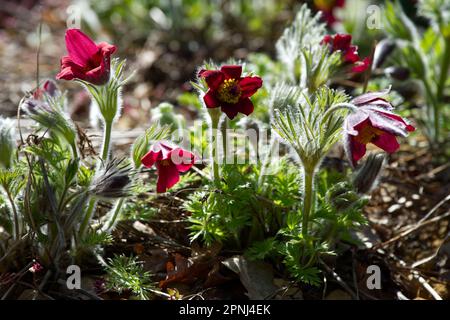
x=410, y=230
x=419, y=278
x=355, y=282
x=338, y=279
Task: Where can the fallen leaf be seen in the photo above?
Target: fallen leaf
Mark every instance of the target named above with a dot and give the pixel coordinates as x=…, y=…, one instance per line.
x=256, y=276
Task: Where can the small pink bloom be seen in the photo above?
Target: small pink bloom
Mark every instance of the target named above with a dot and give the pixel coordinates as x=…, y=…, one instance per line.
x=373, y=123
x=229, y=90
x=170, y=161
x=36, y=267
x=86, y=60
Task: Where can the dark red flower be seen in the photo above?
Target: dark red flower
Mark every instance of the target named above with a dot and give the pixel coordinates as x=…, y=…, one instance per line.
x=373, y=122
x=170, y=161
x=230, y=91
x=86, y=60
x=327, y=8
x=342, y=43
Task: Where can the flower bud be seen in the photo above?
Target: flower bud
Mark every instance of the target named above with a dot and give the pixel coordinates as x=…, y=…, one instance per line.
x=383, y=49
x=114, y=180
x=7, y=142
x=366, y=176
x=165, y=115
x=397, y=73
x=50, y=88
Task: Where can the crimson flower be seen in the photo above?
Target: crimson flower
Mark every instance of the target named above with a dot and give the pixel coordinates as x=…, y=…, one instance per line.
x=170, y=161
x=229, y=90
x=86, y=60
x=342, y=43
x=373, y=122
x=327, y=8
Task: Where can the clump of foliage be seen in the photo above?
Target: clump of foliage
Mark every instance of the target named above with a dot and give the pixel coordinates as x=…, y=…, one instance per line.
x=127, y=274
x=295, y=209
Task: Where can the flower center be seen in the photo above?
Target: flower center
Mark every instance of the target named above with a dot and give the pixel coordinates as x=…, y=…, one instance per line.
x=165, y=163
x=229, y=91
x=367, y=134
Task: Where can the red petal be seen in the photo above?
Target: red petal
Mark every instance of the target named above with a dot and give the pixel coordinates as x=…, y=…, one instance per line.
x=165, y=147
x=182, y=159
x=232, y=71
x=150, y=158
x=80, y=47
x=212, y=77
x=211, y=100
x=245, y=106
x=50, y=87
x=351, y=55
x=342, y=42
x=249, y=85
x=326, y=39
x=65, y=74
x=361, y=66
x=387, y=142
x=106, y=48
x=357, y=149
x=369, y=96
x=408, y=127
x=230, y=110
x=168, y=176
x=98, y=75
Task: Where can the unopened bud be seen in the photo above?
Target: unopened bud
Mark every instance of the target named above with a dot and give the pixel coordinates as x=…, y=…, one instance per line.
x=50, y=88
x=383, y=49
x=397, y=73
x=164, y=114
x=367, y=174
x=114, y=180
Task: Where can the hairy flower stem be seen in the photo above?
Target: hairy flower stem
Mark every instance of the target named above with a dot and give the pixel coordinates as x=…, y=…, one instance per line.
x=214, y=137
x=223, y=129
x=106, y=140
x=93, y=201
x=308, y=198
x=117, y=209
x=265, y=164
x=17, y=222
x=338, y=106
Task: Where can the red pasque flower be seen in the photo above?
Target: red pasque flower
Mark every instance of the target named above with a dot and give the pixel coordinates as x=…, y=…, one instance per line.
x=229, y=90
x=86, y=60
x=373, y=122
x=327, y=8
x=170, y=161
x=342, y=43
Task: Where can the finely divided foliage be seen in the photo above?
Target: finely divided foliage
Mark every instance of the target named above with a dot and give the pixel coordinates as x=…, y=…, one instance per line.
x=51, y=191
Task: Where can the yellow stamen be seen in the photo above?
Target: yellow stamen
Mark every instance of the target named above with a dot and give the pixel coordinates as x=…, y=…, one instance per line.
x=367, y=134
x=229, y=91
x=165, y=162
